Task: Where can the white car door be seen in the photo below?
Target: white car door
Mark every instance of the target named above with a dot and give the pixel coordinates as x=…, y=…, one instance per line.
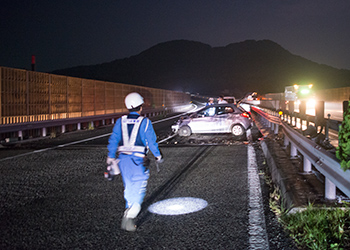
x=222, y=119
x=205, y=121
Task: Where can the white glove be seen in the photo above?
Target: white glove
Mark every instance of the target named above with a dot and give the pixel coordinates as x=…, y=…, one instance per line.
x=110, y=160
x=112, y=163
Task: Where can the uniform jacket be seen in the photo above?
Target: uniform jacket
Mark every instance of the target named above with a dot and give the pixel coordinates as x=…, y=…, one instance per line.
x=145, y=137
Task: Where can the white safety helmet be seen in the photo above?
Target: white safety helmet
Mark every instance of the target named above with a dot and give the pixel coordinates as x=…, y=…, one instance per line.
x=133, y=100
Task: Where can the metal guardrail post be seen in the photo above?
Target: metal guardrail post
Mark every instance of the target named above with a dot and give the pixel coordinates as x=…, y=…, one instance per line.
x=276, y=129
x=44, y=132
x=20, y=135
x=293, y=151
x=306, y=165
x=286, y=141
x=319, y=113
x=327, y=128
x=330, y=190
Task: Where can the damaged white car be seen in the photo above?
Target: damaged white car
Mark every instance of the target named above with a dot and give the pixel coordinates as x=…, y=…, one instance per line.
x=218, y=118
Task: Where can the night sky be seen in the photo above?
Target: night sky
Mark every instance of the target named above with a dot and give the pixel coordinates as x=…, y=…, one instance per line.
x=67, y=33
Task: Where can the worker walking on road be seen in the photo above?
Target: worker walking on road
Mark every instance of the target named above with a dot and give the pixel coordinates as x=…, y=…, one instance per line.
x=132, y=135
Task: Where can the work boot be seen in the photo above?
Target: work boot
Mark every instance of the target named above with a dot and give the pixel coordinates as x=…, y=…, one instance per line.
x=130, y=214
x=128, y=224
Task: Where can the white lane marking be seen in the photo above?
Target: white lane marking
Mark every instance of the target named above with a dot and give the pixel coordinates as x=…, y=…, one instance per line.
x=257, y=227
x=89, y=139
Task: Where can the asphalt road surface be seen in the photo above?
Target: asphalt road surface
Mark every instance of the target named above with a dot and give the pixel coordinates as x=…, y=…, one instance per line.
x=54, y=196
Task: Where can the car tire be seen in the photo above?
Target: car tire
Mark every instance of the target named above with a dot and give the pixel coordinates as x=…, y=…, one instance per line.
x=237, y=130
x=185, y=131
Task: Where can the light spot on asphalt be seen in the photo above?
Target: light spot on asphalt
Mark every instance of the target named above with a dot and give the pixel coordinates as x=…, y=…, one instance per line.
x=177, y=206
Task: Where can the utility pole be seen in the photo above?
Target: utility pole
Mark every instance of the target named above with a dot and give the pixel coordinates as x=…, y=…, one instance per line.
x=33, y=63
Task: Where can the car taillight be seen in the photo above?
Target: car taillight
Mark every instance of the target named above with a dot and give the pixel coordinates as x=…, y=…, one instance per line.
x=246, y=115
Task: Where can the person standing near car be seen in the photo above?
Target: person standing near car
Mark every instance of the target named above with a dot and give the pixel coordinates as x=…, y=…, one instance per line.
x=211, y=102
x=221, y=100
x=132, y=135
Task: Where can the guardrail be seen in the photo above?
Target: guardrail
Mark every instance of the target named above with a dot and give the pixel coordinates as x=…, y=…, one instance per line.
x=313, y=155
x=91, y=121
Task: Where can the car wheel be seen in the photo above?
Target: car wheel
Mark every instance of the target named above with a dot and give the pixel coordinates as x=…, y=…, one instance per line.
x=237, y=130
x=185, y=131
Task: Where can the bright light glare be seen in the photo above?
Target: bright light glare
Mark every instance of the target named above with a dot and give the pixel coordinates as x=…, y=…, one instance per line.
x=183, y=108
x=311, y=103
x=310, y=107
x=177, y=206
x=305, y=91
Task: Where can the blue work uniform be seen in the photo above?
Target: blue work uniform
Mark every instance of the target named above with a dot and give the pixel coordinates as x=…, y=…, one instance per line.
x=132, y=147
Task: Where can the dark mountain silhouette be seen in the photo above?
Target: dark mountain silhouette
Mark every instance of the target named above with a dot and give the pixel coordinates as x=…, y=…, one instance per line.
x=262, y=66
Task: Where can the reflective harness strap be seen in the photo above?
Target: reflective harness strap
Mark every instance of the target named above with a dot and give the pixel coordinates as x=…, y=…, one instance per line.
x=129, y=142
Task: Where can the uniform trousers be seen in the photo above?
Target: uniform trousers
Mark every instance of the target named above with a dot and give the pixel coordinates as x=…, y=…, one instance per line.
x=135, y=176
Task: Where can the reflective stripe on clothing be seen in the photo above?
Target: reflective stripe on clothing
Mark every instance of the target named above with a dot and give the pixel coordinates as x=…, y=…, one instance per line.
x=145, y=138
x=129, y=141
x=135, y=154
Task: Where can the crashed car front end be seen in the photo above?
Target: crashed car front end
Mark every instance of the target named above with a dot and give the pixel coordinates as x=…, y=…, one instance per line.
x=175, y=127
x=179, y=123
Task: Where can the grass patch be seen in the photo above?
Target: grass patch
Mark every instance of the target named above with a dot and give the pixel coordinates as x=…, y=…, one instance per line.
x=319, y=228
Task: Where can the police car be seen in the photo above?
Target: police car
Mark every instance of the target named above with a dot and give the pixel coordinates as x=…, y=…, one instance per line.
x=217, y=118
